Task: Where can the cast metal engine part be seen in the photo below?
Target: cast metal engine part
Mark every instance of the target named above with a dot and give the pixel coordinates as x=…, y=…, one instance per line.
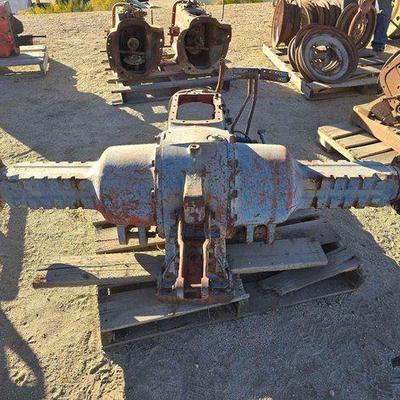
x=199, y=41
x=323, y=54
x=356, y=20
x=394, y=27
x=134, y=47
x=199, y=186
x=10, y=32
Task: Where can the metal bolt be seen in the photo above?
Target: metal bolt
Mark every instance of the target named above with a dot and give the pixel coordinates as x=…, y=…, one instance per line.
x=194, y=149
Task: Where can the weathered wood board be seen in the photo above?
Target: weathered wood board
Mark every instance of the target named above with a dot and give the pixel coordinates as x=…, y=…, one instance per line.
x=354, y=143
x=107, y=269
x=284, y=254
x=29, y=56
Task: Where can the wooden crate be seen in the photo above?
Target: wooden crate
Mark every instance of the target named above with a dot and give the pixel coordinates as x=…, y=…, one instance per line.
x=354, y=143
x=305, y=262
x=36, y=55
x=362, y=81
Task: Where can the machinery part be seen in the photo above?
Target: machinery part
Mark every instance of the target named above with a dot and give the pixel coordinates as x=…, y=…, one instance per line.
x=394, y=26
x=324, y=54
x=199, y=40
x=291, y=15
x=359, y=22
x=286, y=22
x=9, y=28
x=198, y=185
x=386, y=108
x=10, y=32
x=134, y=47
x=381, y=117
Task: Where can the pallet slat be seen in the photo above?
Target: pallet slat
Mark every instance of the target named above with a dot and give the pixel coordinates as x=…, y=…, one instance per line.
x=116, y=311
x=29, y=56
x=354, y=143
x=285, y=282
x=259, y=302
x=281, y=255
x=108, y=269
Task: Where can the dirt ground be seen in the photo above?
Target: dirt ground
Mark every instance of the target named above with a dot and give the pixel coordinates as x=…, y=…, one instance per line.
x=49, y=339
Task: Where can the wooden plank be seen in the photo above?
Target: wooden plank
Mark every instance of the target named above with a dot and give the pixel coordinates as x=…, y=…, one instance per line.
x=329, y=143
x=176, y=84
x=369, y=150
x=30, y=55
x=109, y=269
x=281, y=255
x=116, y=311
x=385, y=158
x=107, y=242
x=19, y=62
x=295, y=79
x=339, y=261
x=360, y=139
x=35, y=47
x=340, y=130
x=318, y=230
x=259, y=302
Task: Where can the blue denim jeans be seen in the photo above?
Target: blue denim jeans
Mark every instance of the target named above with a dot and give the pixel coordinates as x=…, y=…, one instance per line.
x=382, y=23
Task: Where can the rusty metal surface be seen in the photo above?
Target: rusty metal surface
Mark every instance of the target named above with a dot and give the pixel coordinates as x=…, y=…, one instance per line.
x=359, y=21
x=199, y=41
x=198, y=185
x=381, y=117
x=10, y=27
x=292, y=15
x=356, y=20
x=134, y=47
x=323, y=53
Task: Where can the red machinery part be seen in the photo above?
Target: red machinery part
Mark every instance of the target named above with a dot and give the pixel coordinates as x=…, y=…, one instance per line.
x=8, y=38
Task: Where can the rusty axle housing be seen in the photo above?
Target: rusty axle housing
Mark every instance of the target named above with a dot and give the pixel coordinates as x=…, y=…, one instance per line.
x=198, y=186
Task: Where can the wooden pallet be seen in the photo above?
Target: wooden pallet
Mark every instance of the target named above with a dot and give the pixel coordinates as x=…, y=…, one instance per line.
x=363, y=80
x=29, y=56
x=160, y=85
x=305, y=262
x=354, y=143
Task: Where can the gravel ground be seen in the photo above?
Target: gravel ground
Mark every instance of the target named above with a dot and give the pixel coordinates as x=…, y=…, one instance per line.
x=49, y=344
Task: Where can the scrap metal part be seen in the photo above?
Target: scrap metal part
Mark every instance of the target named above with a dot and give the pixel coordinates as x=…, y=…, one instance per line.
x=199, y=40
x=134, y=47
x=359, y=21
x=10, y=32
x=381, y=117
x=323, y=54
x=356, y=20
x=291, y=15
x=198, y=185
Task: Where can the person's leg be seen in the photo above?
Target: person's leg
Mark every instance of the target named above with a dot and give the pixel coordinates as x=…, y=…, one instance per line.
x=347, y=2
x=382, y=24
